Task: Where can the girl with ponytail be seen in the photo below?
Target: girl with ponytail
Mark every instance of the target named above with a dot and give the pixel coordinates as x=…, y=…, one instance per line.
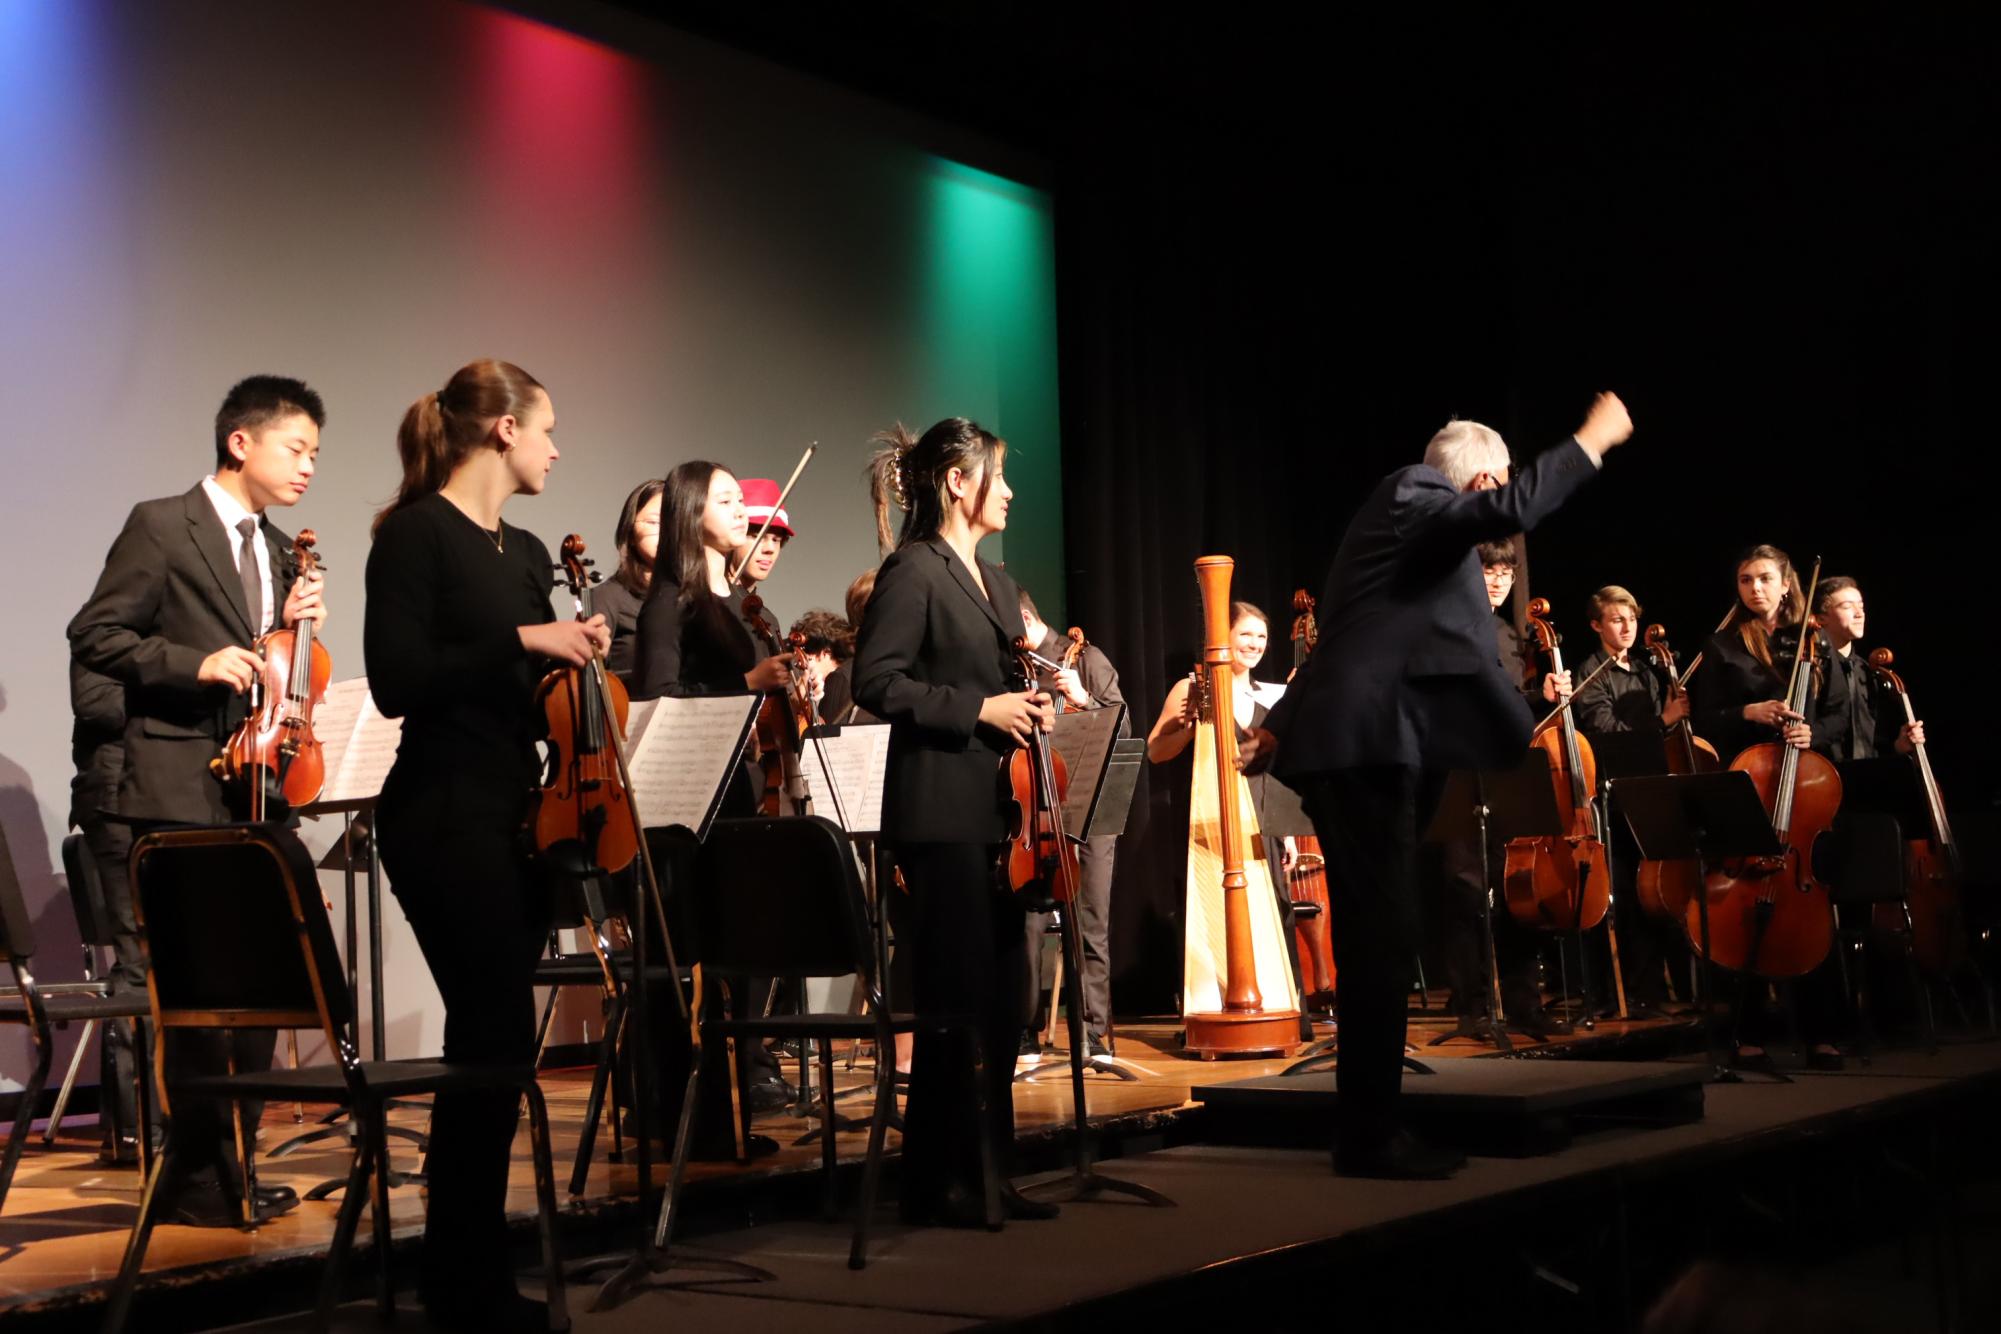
x=933, y=660
x=457, y=633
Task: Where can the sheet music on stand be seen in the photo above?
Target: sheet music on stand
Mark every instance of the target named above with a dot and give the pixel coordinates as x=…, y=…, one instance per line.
x=857, y=755
x=357, y=743
x=1084, y=738
x=682, y=753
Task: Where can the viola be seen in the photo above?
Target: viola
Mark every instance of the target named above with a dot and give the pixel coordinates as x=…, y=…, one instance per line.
x=1039, y=855
x=275, y=750
x=1560, y=882
x=1771, y=915
x=1931, y=864
x=583, y=801
x=1306, y=868
x=1664, y=888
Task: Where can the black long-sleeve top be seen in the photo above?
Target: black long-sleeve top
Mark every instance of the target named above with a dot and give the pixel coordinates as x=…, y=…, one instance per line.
x=700, y=648
x=619, y=606
x=1730, y=678
x=1624, y=698
x=441, y=641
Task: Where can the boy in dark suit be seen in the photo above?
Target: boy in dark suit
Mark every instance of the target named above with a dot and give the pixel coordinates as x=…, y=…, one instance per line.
x=190, y=584
x=1367, y=734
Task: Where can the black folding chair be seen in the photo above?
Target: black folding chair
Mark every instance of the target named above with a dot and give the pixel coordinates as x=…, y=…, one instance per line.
x=585, y=902
x=237, y=937
x=93, y=929
x=783, y=898
x=42, y=1010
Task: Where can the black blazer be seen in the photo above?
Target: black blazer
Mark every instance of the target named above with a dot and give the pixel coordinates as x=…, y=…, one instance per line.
x=1730, y=678
x=168, y=597
x=1406, y=672
x=932, y=649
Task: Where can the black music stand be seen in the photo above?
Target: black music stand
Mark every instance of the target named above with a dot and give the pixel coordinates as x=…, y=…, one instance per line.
x=1621, y=755
x=1707, y=818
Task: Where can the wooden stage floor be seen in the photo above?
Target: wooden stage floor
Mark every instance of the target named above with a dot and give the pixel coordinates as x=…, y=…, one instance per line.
x=67, y=1218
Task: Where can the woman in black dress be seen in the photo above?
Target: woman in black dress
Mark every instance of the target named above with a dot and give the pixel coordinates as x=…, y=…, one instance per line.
x=457, y=632
x=692, y=640
x=1739, y=701
x=637, y=539
x=935, y=660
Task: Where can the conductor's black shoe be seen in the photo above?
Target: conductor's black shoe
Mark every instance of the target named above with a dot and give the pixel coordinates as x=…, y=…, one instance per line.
x=1014, y=1204
x=206, y=1205
x=1541, y=1024
x=1401, y=1157
x=955, y=1207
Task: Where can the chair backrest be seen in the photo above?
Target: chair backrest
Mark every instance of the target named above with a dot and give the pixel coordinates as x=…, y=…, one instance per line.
x=1865, y=856
x=236, y=933
x=86, y=891
x=17, y=928
x=781, y=898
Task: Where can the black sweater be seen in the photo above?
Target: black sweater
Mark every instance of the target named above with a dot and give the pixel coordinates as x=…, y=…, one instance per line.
x=691, y=649
x=441, y=642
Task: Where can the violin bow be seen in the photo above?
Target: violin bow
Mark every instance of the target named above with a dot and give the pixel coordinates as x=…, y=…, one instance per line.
x=778, y=505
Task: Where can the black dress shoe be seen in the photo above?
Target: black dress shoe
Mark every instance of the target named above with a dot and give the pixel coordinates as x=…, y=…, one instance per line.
x=1014, y=1204
x=1825, y=1060
x=1541, y=1024
x=207, y=1205
x=955, y=1207
x=771, y=1095
x=1094, y=1046
x=1401, y=1157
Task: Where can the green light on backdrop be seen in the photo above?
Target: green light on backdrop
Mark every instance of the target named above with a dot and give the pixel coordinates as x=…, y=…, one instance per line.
x=991, y=351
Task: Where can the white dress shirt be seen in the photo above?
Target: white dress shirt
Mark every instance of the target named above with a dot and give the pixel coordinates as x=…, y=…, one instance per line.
x=231, y=512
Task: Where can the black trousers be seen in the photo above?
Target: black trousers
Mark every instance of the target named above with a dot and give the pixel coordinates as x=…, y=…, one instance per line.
x=1369, y=821
x=481, y=919
x=110, y=844
x=1095, y=862
x=968, y=958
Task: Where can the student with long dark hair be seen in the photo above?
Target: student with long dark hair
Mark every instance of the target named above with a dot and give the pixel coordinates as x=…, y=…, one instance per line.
x=1739, y=702
x=692, y=640
x=934, y=660
x=457, y=632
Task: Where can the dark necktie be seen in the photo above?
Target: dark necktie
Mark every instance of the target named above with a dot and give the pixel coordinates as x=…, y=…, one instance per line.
x=246, y=567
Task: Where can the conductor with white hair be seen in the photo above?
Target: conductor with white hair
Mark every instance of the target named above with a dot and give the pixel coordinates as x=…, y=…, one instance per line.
x=1405, y=688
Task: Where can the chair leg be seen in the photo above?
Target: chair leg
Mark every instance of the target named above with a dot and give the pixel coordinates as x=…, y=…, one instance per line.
x=24, y=1111
x=828, y=1125
x=1055, y=998
x=594, y=1108
x=361, y=1162
x=878, y=1127
x=69, y=1082
x=119, y=1304
x=545, y=1204
x=378, y=1208
x=663, y=1229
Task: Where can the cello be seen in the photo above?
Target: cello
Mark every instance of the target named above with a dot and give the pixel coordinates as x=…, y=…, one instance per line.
x=1665, y=888
x=1560, y=882
x=1771, y=915
x=275, y=749
x=1931, y=864
x=583, y=801
x=1306, y=867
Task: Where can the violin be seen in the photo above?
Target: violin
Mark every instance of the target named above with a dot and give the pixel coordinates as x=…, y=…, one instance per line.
x=1771, y=915
x=1931, y=864
x=1665, y=888
x=583, y=801
x=1306, y=867
x=1039, y=857
x=1560, y=882
x=275, y=751
x=779, y=718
